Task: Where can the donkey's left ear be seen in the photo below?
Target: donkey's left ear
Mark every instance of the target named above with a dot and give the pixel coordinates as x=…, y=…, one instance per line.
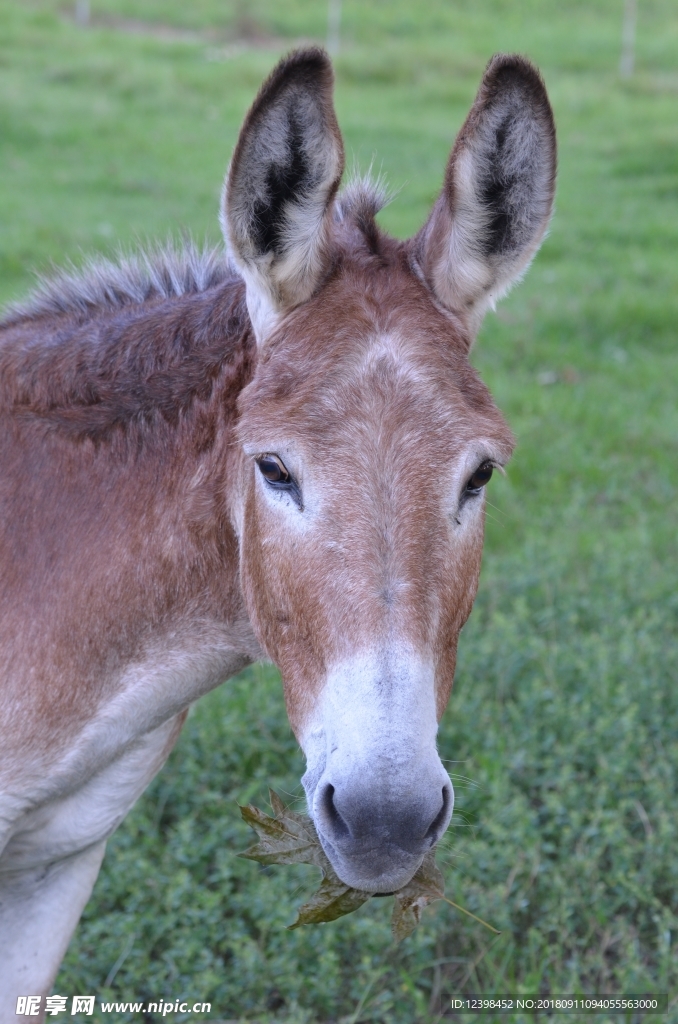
x=497, y=198
x=283, y=177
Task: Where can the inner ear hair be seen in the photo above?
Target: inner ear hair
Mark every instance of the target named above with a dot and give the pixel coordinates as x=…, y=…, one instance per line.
x=498, y=192
x=283, y=177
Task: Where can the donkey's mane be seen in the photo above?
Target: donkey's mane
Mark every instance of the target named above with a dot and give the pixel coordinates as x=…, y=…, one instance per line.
x=162, y=272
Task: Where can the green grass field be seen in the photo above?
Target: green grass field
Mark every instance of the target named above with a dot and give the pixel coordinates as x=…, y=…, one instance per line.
x=562, y=731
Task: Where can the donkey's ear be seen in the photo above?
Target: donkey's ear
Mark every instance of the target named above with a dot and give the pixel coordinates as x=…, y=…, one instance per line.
x=283, y=177
x=497, y=198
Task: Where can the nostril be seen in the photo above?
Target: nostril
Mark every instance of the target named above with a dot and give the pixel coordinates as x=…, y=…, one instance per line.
x=332, y=815
x=436, y=826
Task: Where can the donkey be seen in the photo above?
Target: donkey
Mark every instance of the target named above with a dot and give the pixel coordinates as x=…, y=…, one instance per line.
x=277, y=452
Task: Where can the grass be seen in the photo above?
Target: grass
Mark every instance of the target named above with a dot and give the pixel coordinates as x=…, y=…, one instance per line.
x=562, y=732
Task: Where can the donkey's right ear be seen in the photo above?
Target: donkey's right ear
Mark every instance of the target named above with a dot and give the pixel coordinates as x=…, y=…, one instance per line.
x=497, y=198
x=283, y=177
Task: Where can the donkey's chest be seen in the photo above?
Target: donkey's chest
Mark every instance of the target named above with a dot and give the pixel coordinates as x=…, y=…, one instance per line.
x=72, y=821
x=53, y=805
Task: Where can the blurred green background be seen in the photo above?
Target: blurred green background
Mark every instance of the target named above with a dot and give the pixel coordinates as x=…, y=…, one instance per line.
x=562, y=731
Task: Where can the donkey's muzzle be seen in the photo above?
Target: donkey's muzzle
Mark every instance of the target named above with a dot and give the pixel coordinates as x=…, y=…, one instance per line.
x=377, y=790
x=376, y=841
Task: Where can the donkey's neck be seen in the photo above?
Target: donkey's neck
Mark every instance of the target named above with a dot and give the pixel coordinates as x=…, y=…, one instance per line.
x=117, y=457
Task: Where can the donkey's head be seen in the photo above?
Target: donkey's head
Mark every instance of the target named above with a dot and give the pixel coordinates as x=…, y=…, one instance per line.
x=368, y=439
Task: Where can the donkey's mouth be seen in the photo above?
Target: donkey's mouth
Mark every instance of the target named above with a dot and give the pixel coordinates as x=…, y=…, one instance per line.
x=378, y=845
x=381, y=870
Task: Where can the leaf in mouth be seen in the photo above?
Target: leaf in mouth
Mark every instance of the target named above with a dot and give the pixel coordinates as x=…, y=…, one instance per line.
x=331, y=900
x=288, y=838
x=291, y=838
x=425, y=886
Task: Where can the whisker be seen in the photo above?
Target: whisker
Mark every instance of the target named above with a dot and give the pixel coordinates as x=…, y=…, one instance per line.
x=500, y=510
x=465, y=778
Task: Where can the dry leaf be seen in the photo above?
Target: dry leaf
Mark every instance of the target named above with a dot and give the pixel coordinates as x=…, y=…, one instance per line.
x=425, y=886
x=291, y=838
x=332, y=900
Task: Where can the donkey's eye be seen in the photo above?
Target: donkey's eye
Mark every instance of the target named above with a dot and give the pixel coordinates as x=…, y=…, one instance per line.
x=278, y=477
x=274, y=470
x=479, y=479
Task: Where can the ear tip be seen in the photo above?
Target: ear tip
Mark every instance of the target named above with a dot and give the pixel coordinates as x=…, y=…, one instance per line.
x=308, y=69
x=308, y=63
x=512, y=63
x=313, y=54
x=505, y=69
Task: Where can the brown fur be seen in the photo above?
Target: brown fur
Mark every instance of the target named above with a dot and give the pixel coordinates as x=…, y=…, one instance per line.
x=115, y=460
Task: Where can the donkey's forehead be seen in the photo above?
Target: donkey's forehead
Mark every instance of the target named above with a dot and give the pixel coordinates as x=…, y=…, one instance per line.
x=373, y=346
